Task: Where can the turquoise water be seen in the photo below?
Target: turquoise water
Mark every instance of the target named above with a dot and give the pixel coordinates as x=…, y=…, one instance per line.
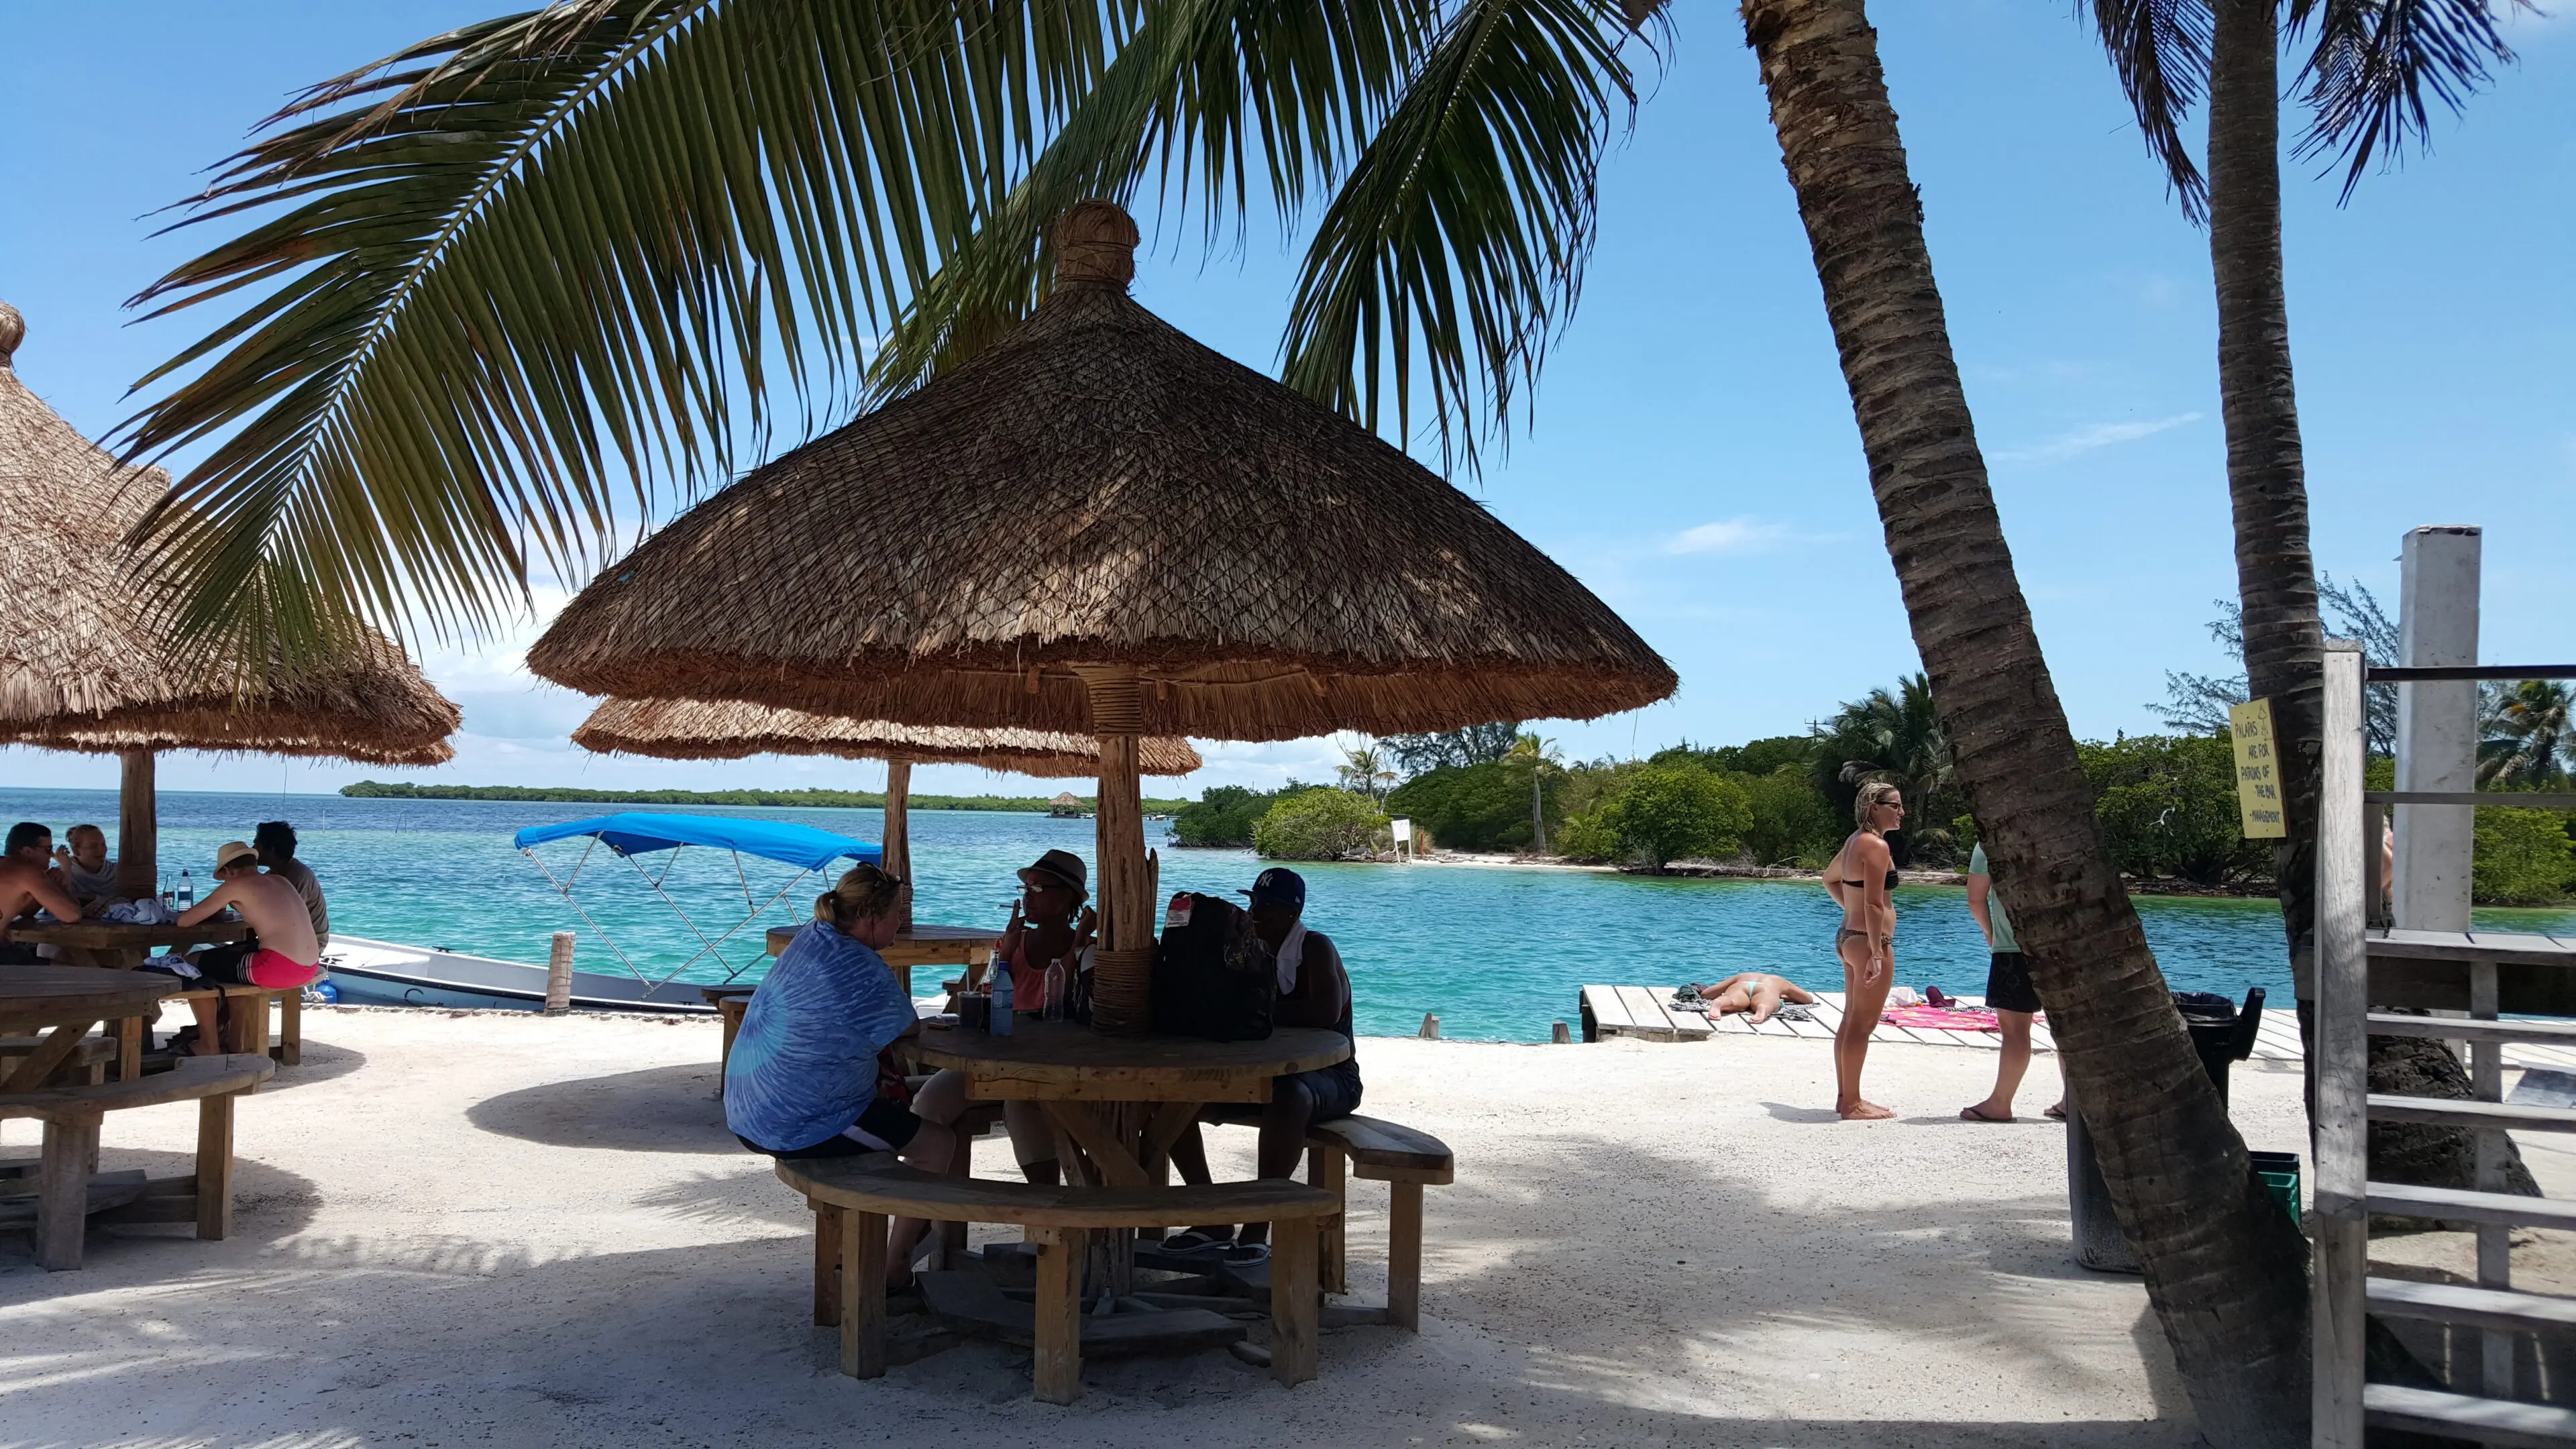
x=1498, y=953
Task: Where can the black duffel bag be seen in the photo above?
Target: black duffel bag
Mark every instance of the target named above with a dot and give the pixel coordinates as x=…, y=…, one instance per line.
x=1213, y=978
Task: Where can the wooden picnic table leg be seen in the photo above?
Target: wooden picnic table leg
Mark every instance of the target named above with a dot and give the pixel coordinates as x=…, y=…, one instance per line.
x=863, y=1274
x=1294, y=1300
x=1328, y=1168
x=52, y=1052
x=1057, y=1376
x=1404, y=1256
x=827, y=1264
x=215, y=1167
x=130, y=1032
x=290, y=1028
x=62, y=1192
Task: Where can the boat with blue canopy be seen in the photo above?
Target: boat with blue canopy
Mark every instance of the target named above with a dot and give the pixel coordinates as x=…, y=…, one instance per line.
x=650, y=844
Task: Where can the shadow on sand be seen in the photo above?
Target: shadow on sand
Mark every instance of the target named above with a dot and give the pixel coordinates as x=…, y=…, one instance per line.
x=661, y=1109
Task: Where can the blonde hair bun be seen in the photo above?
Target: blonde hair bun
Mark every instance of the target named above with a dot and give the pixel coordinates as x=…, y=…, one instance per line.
x=862, y=891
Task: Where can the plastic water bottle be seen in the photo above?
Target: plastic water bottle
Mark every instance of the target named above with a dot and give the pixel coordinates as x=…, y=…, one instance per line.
x=187, y=891
x=1002, y=1002
x=1055, y=990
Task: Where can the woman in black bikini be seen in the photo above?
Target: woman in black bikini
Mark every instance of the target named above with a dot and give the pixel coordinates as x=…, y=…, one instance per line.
x=1859, y=879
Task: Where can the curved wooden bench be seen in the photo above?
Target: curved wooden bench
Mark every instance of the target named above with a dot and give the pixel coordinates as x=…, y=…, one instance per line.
x=71, y=1116
x=854, y=1197
x=1376, y=1150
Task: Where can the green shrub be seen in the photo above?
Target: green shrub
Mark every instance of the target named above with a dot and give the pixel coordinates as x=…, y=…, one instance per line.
x=1665, y=814
x=1318, y=824
x=1584, y=837
x=2521, y=858
x=1472, y=807
x=1791, y=821
x=1224, y=815
x=2167, y=804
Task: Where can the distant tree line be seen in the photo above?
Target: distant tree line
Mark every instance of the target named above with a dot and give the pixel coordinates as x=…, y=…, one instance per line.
x=2166, y=803
x=772, y=799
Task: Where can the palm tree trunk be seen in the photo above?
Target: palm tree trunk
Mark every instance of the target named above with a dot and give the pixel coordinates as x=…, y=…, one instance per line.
x=2224, y=1268
x=2276, y=579
x=1538, y=816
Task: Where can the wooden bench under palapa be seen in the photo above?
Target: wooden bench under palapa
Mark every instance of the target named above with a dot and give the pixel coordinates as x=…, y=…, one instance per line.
x=1374, y=1150
x=853, y=1198
x=66, y=1196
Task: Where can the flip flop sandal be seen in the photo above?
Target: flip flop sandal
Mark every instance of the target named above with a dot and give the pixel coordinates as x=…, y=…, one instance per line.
x=1246, y=1255
x=1194, y=1242
x=2055, y=1113
x=1971, y=1114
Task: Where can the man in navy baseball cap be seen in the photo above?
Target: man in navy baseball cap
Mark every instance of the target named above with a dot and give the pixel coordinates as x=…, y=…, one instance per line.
x=1278, y=886
x=1314, y=991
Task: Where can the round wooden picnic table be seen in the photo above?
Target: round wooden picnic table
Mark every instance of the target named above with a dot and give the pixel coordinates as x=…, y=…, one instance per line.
x=1118, y=1103
x=65, y=1002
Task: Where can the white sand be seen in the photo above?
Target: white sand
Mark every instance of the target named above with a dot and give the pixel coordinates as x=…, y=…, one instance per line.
x=494, y=1228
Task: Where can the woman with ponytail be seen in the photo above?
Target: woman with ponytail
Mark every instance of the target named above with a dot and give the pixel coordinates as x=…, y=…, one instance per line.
x=1859, y=878
x=809, y=1075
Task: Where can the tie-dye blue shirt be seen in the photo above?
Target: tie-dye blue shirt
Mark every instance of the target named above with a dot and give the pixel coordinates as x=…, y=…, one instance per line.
x=804, y=1064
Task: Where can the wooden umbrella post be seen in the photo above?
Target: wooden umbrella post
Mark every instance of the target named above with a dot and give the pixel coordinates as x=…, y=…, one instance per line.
x=1122, y=968
x=897, y=860
x=138, y=829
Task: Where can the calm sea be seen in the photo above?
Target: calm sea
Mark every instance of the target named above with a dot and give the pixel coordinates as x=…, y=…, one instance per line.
x=1499, y=953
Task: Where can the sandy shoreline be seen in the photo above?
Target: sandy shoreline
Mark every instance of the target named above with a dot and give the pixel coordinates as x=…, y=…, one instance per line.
x=495, y=1227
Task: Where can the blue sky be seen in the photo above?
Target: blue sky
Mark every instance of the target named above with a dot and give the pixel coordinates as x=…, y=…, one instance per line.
x=1693, y=457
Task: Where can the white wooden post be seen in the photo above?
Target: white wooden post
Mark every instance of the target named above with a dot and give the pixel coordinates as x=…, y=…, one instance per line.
x=2341, y=1141
x=559, y=975
x=2437, y=726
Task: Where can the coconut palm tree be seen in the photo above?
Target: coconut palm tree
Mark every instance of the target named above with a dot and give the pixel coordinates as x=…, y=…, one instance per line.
x=2365, y=84
x=1363, y=771
x=1544, y=760
x=2225, y=1273
x=2526, y=740
x=511, y=290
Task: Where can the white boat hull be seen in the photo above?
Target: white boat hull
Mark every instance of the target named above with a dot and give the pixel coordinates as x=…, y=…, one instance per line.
x=384, y=973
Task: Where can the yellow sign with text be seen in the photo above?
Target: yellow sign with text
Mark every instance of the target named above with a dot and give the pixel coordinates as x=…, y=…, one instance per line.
x=2258, y=776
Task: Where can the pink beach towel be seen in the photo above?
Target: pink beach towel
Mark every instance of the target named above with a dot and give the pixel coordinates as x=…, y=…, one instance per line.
x=1935, y=1017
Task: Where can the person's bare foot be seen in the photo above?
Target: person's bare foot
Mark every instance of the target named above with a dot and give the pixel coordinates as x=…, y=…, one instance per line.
x=1863, y=1111
x=1985, y=1112
x=204, y=1048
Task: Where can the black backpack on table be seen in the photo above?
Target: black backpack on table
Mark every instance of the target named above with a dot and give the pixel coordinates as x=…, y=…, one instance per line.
x=1213, y=978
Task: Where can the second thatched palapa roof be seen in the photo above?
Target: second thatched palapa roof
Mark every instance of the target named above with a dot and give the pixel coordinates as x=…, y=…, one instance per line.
x=700, y=729
x=82, y=666
x=1097, y=488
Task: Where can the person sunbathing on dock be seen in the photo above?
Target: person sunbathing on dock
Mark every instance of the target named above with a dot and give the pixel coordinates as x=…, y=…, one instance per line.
x=1755, y=993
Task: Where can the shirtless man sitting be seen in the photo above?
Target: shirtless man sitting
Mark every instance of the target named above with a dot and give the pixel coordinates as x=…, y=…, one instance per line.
x=282, y=955
x=1756, y=992
x=26, y=882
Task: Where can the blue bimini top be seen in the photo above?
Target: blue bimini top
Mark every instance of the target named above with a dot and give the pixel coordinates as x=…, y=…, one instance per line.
x=635, y=833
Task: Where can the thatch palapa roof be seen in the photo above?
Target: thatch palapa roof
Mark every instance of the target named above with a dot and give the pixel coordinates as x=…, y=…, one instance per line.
x=696, y=729
x=1098, y=489
x=82, y=665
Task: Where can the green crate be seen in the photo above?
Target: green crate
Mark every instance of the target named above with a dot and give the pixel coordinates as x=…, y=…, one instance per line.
x=2280, y=1173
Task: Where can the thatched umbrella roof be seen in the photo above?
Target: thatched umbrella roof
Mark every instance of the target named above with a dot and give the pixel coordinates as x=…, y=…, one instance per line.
x=698, y=729
x=1097, y=489
x=82, y=665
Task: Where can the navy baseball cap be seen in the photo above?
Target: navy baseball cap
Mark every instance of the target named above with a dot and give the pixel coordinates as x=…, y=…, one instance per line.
x=1279, y=884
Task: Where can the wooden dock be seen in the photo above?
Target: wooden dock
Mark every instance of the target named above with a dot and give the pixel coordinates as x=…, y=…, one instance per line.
x=1646, y=1011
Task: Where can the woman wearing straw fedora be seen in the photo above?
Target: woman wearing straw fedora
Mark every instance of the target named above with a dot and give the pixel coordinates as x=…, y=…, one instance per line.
x=1859, y=879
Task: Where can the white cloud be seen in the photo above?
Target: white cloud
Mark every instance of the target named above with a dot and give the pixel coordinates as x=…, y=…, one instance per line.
x=2086, y=440
x=1728, y=535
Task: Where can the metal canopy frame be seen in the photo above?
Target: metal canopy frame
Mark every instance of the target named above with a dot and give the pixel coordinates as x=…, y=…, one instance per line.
x=707, y=946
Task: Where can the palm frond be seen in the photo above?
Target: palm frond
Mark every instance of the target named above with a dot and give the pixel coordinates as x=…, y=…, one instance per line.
x=2160, y=51
x=2374, y=62
x=1459, y=239
x=1200, y=94
x=517, y=281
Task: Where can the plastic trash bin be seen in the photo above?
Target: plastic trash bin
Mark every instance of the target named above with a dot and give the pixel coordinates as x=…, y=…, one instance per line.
x=2223, y=1035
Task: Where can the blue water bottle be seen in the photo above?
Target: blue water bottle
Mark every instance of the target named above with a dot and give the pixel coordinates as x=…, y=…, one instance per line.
x=1002, y=1002
x=187, y=891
